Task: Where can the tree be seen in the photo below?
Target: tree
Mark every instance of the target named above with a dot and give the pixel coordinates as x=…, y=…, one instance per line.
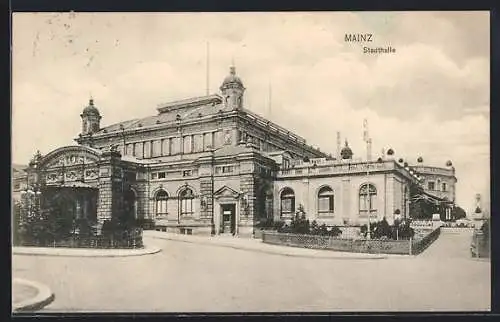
x=314, y=229
x=404, y=231
x=382, y=229
x=334, y=231
x=17, y=229
x=458, y=213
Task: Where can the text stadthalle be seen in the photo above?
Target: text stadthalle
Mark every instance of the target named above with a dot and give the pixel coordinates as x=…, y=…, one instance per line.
x=379, y=50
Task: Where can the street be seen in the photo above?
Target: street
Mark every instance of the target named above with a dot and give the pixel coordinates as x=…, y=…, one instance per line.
x=187, y=277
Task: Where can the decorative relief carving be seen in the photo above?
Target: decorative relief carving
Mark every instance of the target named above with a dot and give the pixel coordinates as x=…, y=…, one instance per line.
x=92, y=173
x=72, y=159
x=52, y=177
x=71, y=175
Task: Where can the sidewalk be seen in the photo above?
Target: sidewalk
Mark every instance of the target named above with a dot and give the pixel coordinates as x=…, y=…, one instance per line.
x=256, y=245
x=84, y=252
x=29, y=295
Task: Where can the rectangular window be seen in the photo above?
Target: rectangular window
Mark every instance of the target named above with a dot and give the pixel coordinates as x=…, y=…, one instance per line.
x=325, y=204
x=176, y=146
x=138, y=150
x=17, y=185
x=187, y=173
x=444, y=186
x=156, y=148
x=207, y=141
x=147, y=149
x=130, y=149
x=161, y=175
x=154, y=176
x=165, y=147
x=198, y=143
x=186, y=207
x=187, y=144
x=287, y=205
x=227, y=169
x=431, y=186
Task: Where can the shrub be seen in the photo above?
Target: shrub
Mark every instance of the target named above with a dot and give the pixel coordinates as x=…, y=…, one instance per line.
x=315, y=228
x=364, y=229
x=277, y=225
x=404, y=231
x=334, y=231
x=382, y=229
x=299, y=224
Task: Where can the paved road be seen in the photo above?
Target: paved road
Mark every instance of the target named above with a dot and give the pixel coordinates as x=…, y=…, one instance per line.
x=192, y=277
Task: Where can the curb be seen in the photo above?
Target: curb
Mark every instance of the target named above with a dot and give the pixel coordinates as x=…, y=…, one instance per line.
x=42, y=299
x=367, y=257
x=83, y=252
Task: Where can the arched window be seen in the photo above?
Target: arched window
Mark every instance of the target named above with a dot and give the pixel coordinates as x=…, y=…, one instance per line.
x=161, y=203
x=186, y=197
x=367, y=197
x=325, y=201
x=287, y=202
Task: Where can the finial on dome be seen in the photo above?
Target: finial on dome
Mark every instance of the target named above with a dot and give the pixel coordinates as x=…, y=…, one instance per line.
x=91, y=101
x=232, y=70
x=346, y=152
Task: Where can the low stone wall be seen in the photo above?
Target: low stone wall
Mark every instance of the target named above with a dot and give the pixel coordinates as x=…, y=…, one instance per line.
x=373, y=246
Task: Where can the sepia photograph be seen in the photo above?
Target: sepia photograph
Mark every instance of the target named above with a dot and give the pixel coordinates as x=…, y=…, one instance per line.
x=232, y=162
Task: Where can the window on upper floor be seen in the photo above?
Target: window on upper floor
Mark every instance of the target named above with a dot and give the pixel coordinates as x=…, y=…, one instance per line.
x=162, y=175
x=187, y=173
x=431, y=185
x=154, y=176
x=227, y=169
x=286, y=163
x=444, y=186
x=17, y=186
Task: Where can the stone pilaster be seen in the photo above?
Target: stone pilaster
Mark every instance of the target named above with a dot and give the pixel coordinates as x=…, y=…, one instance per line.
x=206, y=192
x=110, y=186
x=248, y=189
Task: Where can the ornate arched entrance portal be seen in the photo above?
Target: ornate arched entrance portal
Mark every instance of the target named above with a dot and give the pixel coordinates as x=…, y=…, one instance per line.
x=72, y=209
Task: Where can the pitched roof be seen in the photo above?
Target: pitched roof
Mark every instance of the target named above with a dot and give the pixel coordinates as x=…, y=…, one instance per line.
x=187, y=111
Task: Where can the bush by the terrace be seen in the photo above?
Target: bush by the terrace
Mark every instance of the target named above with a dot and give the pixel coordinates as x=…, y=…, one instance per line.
x=277, y=225
x=364, y=229
x=402, y=230
x=323, y=230
x=299, y=224
x=382, y=229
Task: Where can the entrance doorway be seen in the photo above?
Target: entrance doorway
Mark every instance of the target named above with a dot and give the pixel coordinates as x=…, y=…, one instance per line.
x=228, y=222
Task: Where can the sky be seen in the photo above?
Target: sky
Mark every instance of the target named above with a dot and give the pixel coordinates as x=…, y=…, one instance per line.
x=430, y=98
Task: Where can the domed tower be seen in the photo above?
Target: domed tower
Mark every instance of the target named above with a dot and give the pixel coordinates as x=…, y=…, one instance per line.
x=232, y=90
x=90, y=119
x=346, y=152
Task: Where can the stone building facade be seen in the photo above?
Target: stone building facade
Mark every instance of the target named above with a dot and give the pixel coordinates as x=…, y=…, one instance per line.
x=209, y=165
